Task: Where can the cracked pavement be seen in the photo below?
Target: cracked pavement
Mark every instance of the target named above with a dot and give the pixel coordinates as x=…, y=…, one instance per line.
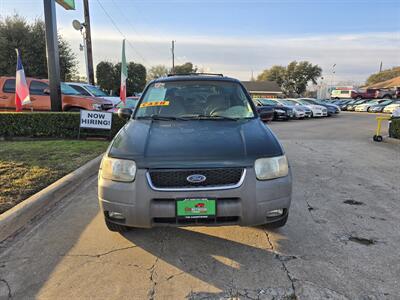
x=341, y=241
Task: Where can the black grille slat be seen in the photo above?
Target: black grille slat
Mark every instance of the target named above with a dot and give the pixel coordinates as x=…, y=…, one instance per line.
x=178, y=178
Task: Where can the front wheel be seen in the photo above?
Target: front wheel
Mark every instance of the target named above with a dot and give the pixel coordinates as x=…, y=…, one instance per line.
x=116, y=227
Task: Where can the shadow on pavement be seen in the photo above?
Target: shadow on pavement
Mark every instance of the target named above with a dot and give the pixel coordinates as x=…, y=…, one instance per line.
x=226, y=264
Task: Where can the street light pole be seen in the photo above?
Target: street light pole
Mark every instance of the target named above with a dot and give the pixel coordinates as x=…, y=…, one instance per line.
x=88, y=43
x=53, y=60
x=173, y=57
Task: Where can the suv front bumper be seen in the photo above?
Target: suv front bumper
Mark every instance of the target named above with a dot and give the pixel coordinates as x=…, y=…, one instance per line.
x=246, y=205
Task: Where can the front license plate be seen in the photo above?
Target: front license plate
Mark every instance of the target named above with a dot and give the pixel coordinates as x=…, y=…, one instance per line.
x=194, y=208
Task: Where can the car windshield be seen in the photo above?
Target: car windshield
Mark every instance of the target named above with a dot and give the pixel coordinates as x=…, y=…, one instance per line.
x=287, y=102
x=202, y=99
x=386, y=102
x=302, y=101
x=95, y=91
x=67, y=90
x=129, y=103
x=267, y=101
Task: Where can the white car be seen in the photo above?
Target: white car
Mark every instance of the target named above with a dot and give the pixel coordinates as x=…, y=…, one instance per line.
x=298, y=110
x=316, y=110
x=86, y=89
x=392, y=107
x=366, y=106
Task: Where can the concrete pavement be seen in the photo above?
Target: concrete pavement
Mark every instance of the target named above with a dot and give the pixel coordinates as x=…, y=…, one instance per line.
x=341, y=241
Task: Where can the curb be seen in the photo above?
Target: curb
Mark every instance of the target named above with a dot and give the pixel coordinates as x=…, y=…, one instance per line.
x=392, y=141
x=17, y=217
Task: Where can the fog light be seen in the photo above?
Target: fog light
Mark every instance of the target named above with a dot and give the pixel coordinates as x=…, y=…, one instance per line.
x=115, y=215
x=274, y=213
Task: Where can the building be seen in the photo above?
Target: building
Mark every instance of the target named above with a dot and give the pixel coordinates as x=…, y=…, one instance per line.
x=263, y=89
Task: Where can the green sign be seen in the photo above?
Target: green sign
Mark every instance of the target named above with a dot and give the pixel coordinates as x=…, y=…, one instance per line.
x=67, y=4
x=195, y=208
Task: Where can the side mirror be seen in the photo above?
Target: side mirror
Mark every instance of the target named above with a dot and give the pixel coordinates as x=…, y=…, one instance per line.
x=46, y=91
x=125, y=113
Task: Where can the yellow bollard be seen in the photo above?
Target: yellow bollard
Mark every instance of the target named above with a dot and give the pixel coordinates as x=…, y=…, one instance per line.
x=378, y=137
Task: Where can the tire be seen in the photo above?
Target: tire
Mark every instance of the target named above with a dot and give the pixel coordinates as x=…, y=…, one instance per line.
x=116, y=227
x=312, y=114
x=358, y=98
x=387, y=97
x=377, y=138
x=277, y=224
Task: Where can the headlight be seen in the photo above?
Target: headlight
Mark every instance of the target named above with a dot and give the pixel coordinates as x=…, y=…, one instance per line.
x=280, y=111
x=118, y=169
x=96, y=106
x=272, y=167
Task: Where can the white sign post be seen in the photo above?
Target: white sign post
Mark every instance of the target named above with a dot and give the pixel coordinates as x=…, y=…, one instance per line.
x=95, y=120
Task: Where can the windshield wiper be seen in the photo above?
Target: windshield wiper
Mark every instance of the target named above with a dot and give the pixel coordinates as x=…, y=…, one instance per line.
x=204, y=117
x=160, y=118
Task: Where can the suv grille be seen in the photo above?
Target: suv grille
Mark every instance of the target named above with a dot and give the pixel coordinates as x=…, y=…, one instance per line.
x=177, y=179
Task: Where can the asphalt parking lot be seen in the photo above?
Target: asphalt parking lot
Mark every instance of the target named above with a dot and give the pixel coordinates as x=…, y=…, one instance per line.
x=341, y=241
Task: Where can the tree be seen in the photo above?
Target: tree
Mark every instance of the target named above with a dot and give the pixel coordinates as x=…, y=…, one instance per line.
x=383, y=76
x=105, y=75
x=15, y=32
x=156, y=72
x=185, y=68
x=109, y=77
x=294, y=78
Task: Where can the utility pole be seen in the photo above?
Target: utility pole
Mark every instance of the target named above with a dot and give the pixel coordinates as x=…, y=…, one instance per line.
x=53, y=60
x=88, y=37
x=173, y=57
x=380, y=68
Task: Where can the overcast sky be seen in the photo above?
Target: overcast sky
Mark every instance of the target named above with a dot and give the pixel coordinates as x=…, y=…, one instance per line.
x=237, y=37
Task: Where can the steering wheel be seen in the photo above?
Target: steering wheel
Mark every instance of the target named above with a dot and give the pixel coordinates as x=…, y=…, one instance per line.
x=216, y=111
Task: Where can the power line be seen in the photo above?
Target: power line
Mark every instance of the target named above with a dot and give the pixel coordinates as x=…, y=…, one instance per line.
x=119, y=30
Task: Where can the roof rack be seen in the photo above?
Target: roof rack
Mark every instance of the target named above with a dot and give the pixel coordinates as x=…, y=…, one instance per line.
x=186, y=74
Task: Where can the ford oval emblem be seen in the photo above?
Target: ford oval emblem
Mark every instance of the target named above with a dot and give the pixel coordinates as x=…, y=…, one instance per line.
x=196, y=178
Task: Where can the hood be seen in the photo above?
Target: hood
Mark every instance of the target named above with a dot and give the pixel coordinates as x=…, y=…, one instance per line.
x=194, y=143
x=314, y=106
x=93, y=99
x=113, y=100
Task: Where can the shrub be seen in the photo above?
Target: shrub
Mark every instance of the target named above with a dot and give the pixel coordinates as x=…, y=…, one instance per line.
x=50, y=125
x=394, y=130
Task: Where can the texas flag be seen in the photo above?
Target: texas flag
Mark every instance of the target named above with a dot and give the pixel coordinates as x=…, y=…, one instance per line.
x=124, y=75
x=21, y=87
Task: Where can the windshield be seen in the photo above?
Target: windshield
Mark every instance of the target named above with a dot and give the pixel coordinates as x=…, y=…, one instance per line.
x=310, y=101
x=303, y=102
x=195, y=99
x=95, y=91
x=287, y=102
x=67, y=90
x=267, y=101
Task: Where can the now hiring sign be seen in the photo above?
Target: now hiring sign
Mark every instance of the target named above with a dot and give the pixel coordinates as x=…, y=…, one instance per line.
x=95, y=119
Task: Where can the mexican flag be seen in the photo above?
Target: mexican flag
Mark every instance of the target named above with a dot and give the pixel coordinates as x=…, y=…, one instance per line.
x=124, y=74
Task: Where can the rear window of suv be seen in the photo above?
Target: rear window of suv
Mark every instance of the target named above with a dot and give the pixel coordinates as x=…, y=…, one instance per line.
x=195, y=98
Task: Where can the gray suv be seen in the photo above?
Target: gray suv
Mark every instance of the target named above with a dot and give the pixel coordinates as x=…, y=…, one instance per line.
x=194, y=152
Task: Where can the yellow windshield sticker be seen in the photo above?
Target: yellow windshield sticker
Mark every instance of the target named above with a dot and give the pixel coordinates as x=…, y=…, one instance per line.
x=154, y=103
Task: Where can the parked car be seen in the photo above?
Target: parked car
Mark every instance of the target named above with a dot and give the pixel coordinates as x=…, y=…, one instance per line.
x=392, y=107
x=316, y=110
x=373, y=94
x=379, y=107
x=86, y=89
x=343, y=103
x=266, y=111
x=281, y=112
x=331, y=108
x=185, y=163
x=40, y=97
x=299, y=111
x=351, y=107
x=130, y=102
x=365, y=106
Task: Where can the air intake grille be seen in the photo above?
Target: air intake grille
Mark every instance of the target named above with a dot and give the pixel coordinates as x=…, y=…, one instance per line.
x=179, y=178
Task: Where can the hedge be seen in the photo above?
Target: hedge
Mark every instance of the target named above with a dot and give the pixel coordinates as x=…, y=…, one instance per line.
x=50, y=125
x=395, y=128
